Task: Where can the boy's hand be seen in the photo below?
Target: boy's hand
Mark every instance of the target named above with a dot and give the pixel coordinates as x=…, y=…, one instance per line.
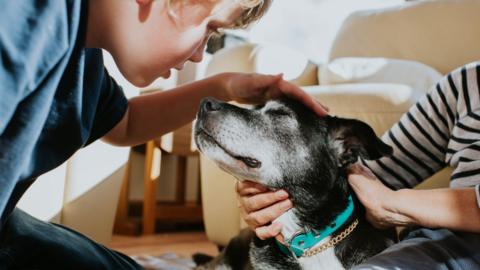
x=260, y=206
x=255, y=88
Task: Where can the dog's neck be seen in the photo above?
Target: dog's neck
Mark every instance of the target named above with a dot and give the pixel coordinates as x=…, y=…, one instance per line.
x=324, y=260
x=315, y=208
x=291, y=225
x=317, y=205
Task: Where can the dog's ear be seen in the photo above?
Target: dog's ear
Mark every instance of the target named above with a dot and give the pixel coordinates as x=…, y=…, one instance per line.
x=352, y=139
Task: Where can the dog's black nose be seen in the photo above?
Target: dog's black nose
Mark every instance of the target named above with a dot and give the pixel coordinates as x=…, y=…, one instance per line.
x=209, y=105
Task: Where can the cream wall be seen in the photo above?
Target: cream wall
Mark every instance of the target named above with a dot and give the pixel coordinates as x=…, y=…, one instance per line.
x=44, y=199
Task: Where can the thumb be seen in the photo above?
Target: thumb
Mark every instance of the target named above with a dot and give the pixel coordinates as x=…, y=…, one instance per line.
x=358, y=185
x=355, y=182
x=361, y=185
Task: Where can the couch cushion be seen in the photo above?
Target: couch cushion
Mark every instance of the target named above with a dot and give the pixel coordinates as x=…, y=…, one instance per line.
x=379, y=104
x=378, y=70
x=275, y=59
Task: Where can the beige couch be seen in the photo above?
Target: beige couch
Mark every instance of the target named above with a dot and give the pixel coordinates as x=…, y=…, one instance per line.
x=442, y=34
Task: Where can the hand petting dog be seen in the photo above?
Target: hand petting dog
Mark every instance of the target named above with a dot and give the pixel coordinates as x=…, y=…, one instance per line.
x=253, y=88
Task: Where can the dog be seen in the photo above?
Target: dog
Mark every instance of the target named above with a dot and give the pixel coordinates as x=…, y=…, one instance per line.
x=284, y=145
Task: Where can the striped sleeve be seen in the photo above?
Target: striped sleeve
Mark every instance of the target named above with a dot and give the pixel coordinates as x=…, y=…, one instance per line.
x=441, y=129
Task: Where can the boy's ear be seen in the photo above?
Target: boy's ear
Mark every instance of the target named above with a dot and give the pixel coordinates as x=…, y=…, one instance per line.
x=352, y=139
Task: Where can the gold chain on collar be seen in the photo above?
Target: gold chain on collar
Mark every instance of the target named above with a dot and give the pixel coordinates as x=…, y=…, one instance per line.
x=332, y=242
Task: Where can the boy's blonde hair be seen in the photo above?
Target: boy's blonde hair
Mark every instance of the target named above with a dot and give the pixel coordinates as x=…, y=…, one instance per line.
x=254, y=10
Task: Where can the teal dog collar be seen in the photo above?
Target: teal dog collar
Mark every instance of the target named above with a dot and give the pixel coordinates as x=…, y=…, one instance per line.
x=304, y=240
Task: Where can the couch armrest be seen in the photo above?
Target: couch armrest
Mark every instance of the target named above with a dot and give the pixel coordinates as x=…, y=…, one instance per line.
x=221, y=215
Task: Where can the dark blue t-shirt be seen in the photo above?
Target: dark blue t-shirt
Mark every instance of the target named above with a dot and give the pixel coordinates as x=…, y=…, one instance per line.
x=55, y=95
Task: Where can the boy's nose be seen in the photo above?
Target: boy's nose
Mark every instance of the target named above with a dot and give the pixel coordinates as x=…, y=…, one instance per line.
x=180, y=66
x=197, y=57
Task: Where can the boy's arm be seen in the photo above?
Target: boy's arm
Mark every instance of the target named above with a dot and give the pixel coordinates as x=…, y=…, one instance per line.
x=153, y=115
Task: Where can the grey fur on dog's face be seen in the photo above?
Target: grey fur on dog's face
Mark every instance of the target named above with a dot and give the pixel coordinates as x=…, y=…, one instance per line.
x=280, y=140
x=261, y=144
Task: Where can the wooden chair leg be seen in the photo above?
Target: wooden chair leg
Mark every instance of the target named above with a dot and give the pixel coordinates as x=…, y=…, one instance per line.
x=181, y=180
x=151, y=173
x=199, y=182
x=122, y=222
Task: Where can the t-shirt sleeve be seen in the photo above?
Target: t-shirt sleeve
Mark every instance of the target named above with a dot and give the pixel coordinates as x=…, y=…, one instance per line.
x=112, y=106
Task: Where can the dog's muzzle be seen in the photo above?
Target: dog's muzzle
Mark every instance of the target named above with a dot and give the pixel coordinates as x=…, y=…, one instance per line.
x=210, y=105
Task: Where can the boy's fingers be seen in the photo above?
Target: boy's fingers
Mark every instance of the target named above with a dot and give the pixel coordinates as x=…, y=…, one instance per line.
x=296, y=92
x=248, y=188
x=266, y=232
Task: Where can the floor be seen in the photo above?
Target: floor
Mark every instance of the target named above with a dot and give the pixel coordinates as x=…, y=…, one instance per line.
x=181, y=243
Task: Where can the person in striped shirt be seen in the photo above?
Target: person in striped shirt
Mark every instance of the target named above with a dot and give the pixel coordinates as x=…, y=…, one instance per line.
x=442, y=129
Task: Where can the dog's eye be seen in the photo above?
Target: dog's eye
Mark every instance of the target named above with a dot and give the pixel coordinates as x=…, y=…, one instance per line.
x=278, y=112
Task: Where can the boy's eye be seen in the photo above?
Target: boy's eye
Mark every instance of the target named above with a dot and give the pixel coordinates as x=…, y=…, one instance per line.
x=214, y=32
x=214, y=28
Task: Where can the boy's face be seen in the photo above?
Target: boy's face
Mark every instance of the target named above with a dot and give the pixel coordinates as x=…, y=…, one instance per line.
x=157, y=41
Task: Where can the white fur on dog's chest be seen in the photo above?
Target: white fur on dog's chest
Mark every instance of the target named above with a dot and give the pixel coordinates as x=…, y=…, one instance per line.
x=325, y=260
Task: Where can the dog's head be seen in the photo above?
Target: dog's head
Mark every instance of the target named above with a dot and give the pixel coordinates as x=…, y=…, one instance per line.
x=281, y=140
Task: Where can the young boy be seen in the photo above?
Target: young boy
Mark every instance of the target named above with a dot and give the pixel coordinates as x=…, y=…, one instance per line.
x=56, y=97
